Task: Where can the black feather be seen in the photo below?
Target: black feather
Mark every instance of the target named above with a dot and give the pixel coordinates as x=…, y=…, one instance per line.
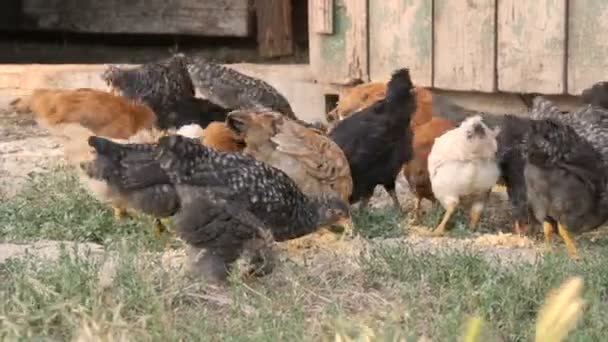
x=377, y=140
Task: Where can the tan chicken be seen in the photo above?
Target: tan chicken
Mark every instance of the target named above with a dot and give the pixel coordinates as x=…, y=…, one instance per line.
x=314, y=162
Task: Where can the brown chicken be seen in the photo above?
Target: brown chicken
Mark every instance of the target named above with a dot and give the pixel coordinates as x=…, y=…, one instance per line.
x=218, y=136
x=315, y=163
x=364, y=95
x=101, y=112
x=416, y=171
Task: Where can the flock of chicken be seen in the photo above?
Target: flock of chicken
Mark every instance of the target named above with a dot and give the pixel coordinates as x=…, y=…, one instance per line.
x=224, y=155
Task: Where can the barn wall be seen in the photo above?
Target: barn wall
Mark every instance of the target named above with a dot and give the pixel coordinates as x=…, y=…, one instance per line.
x=550, y=47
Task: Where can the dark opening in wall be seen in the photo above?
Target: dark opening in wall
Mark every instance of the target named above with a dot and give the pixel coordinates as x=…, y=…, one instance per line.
x=331, y=101
x=22, y=41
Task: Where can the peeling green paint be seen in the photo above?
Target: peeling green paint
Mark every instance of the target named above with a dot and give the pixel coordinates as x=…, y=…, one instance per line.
x=333, y=47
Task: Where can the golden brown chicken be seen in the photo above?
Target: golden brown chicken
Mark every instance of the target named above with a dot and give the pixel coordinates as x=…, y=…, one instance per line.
x=315, y=163
x=416, y=171
x=100, y=112
x=218, y=136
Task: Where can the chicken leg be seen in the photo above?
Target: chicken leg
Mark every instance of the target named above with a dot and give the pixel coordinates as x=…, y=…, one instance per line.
x=442, y=227
x=417, y=208
x=520, y=228
x=395, y=199
x=475, y=215
x=159, y=227
x=548, y=230
x=570, y=245
x=119, y=213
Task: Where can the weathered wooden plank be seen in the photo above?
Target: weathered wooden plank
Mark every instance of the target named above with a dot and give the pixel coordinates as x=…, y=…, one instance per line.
x=531, y=46
x=401, y=36
x=464, y=45
x=341, y=58
x=322, y=16
x=209, y=17
x=587, y=45
x=274, y=26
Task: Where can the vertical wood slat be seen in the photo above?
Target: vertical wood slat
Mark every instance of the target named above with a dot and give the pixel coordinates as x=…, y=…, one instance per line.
x=274, y=26
x=322, y=16
x=531, y=46
x=401, y=36
x=464, y=45
x=587, y=46
x=341, y=58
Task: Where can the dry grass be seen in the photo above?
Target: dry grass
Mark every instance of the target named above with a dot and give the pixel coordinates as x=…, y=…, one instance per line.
x=401, y=289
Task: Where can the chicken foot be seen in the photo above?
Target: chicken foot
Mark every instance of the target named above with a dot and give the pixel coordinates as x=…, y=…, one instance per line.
x=570, y=245
x=159, y=227
x=395, y=199
x=442, y=227
x=475, y=215
x=119, y=213
x=520, y=228
x=548, y=230
x=417, y=208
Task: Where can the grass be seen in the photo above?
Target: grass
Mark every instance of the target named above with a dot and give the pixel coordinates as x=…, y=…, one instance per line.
x=133, y=294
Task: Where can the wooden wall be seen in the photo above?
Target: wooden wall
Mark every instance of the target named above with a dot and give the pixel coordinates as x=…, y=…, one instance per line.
x=542, y=46
x=207, y=17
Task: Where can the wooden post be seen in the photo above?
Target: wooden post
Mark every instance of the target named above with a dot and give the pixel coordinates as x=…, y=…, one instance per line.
x=322, y=15
x=274, y=26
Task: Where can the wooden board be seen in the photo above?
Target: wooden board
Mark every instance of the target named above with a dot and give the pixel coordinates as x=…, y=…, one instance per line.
x=341, y=58
x=274, y=27
x=464, y=45
x=587, y=45
x=402, y=37
x=322, y=16
x=208, y=18
x=531, y=46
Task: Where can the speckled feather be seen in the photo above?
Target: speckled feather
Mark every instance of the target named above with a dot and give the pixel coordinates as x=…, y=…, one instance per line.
x=266, y=192
x=160, y=85
x=232, y=89
x=132, y=171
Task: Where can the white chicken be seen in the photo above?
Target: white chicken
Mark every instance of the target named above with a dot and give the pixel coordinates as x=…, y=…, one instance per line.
x=462, y=165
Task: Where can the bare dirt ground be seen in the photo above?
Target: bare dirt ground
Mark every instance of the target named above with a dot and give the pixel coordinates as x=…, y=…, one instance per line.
x=25, y=148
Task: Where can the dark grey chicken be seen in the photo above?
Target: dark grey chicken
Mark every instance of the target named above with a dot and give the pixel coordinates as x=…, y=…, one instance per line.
x=596, y=95
x=228, y=200
x=132, y=172
x=166, y=87
x=565, y=180
x=232, y=89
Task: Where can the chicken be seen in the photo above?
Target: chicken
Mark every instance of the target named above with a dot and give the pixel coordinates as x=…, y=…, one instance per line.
x=191, y=111
x=232, y=89
x=315, y=163
x=134, y=178
x=312, y=160
x=357, y=98
x=100, y=112
x=565, y=181
x=596, y=95
x=509, y=156
x=159, y=84
x=364, y=95
x=377, y=141
x=217, y=135
x=416, y=171
x=227, y=199
x=462, y=165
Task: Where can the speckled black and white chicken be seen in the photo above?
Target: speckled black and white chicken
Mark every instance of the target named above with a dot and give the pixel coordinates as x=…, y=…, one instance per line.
x=565, y=179
x=232, y=89
x=596, y=95
x=133, y=178
x=229, y=199
x=166, y=87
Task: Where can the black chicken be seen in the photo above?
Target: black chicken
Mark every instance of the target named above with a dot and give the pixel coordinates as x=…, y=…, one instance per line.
x=596, y=95
x=229, y=200
x=377, y=140
x=132, y=172
x=509, y=155
x=565, y=180
x=232, y=89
